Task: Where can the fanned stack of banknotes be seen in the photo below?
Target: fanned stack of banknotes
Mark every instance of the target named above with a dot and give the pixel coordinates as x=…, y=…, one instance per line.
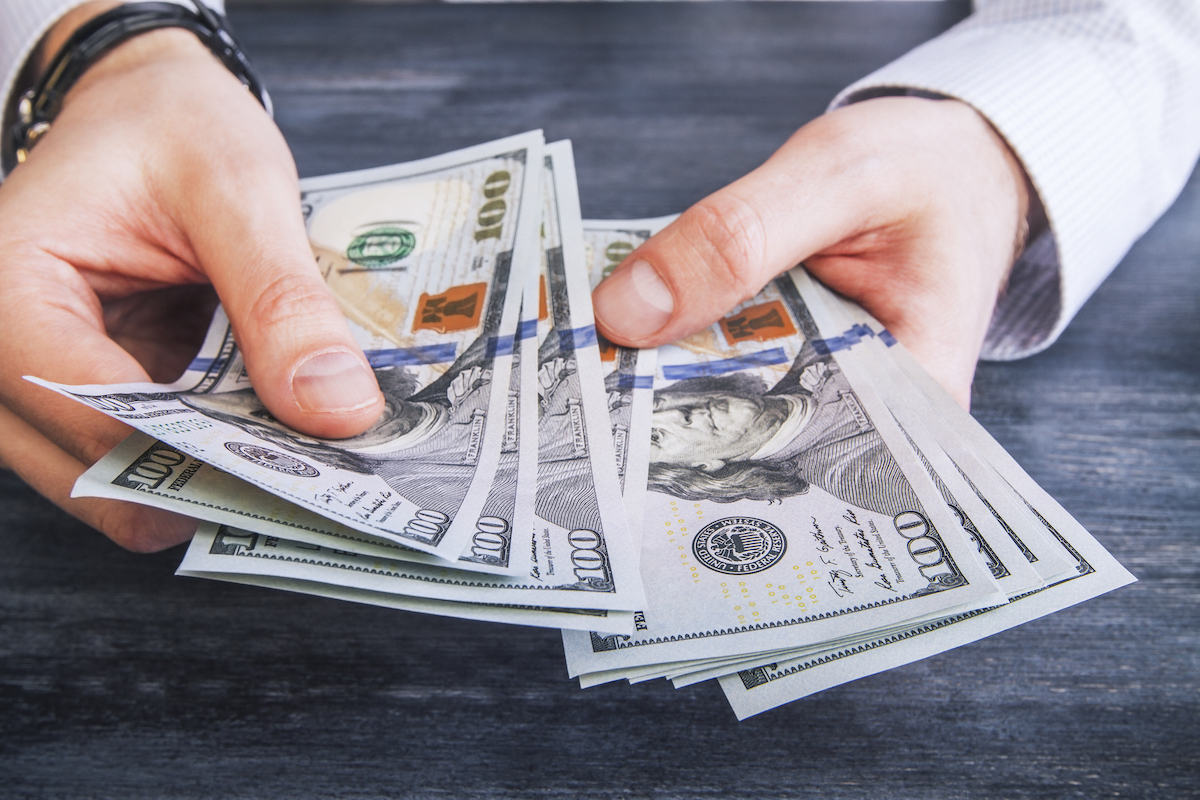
x=785, y=501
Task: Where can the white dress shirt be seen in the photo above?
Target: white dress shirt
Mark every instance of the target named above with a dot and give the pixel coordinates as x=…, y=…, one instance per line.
x=1100, y=101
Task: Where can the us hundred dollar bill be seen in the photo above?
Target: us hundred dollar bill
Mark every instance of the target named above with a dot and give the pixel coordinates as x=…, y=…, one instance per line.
x=786, y=508
x=757, y=688
x=1009, y=563
x=582, y=555
x=219, y=552
x=146, y=471
x=883, y=355
x=500, y=542
x=1001, y=547
x=628, y=371
x=143, y=470
x=420, y=257
x=580, y=539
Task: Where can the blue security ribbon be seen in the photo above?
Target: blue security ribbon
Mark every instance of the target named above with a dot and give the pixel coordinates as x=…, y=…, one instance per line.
x=855, y=335
x=407, y=356
x=766, y=358
x=500, y=346
x=627, y=382
x=201, y=364
x=528, y=329
x=577, y=338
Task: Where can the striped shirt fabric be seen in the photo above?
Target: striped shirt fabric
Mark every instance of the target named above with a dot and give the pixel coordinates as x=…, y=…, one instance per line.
x=1099, y=99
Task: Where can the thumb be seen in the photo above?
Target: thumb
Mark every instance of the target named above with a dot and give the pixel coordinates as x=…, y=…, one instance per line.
x=302, y=359
x=687, y=275
x=810, y=195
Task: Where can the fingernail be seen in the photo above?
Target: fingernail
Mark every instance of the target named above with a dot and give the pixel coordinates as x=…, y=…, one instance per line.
x=634, y=302
x=335, y=381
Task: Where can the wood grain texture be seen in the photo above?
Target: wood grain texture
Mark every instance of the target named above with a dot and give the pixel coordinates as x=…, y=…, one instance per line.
x=119, y=680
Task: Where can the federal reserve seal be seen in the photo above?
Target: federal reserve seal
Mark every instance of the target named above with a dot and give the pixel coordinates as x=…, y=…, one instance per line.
x=280, y=462
x=739, y=545
x=381, y=247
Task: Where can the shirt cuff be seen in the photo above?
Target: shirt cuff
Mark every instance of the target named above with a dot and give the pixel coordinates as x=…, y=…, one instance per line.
x=1093, y=153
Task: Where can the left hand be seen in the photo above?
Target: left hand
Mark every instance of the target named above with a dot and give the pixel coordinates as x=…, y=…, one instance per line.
x=914, y=208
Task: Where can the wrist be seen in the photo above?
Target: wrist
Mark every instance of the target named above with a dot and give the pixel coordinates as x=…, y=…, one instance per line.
x=57, y=36
x=1014, y=194
x=1028, y=206
x=140, y=56
x=104, y=40
x=141, y=50
x=39, y=59
x=957, y=123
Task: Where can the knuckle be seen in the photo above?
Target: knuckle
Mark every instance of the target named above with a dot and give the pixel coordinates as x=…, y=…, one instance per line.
x=290, y=299
x=136, y=528
x=117, y=524
x=86, y=444
x=731, y=236
x=134, y=541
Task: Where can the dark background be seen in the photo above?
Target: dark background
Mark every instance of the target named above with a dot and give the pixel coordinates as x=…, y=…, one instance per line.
x=119, y=680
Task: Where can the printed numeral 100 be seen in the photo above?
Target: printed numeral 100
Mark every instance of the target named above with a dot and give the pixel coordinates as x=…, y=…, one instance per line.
x=427, y=524
x=589, y=560
x=491, y=539
x=925, y=550
x=614, y=254
x=491, y=214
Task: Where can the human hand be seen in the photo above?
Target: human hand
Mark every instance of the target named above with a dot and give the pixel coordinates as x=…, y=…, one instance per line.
x=914, y=208
x=161, y=174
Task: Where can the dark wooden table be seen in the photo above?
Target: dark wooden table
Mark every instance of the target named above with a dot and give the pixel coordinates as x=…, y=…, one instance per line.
x=119, y=680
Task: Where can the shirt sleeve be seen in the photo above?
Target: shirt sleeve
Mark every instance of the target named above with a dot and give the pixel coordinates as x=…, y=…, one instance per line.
x=23, y=23
x=1101, y=103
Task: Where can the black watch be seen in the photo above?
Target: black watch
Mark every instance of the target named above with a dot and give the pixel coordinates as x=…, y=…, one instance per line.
x=38, y=107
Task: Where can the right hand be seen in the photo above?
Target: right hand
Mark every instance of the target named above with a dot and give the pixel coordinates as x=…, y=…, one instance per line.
x=162, y=174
